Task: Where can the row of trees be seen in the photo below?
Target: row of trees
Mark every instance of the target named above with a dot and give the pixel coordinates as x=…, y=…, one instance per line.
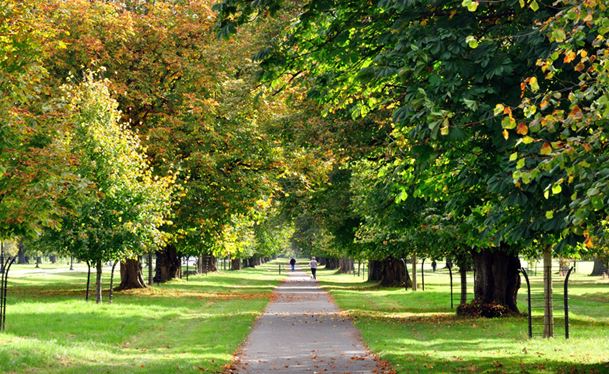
x=129, y=128
x=485, y=121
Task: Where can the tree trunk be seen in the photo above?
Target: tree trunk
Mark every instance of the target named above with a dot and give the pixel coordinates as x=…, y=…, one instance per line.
x=200, y=267
x=168, y=264
x=235, y=264
x=131, y=275
x=463, y=273
x=496, y=278
x=389, y=272
x=345, y=265
x=88, y=281
x=150, y=280
x=600, y=266
x=548, y=315
x=212, y=263
x=98, y=282
x=21, y=254
x=414, y=272
x=332, y=263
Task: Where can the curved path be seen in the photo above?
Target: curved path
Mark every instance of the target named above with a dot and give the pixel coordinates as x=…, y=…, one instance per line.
x=303, y=331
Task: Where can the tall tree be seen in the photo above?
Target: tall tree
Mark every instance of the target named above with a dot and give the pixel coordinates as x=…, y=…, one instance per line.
x=115, y=208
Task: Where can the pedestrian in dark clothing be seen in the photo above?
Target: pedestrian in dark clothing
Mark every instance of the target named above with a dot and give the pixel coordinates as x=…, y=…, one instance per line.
x=292, y=263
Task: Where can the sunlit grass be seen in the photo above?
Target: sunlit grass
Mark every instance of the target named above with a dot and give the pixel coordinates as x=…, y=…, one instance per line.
x=180, y=326
x=418, y=331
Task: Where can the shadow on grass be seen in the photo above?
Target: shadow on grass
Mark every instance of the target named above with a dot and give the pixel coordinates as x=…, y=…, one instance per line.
x=424, y=363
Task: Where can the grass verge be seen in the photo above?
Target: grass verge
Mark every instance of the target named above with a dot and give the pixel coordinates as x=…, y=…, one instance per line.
x=181, y=326
x=417, y=332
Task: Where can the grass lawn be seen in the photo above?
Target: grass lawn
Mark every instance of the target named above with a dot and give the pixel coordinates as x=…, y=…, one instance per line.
x=417, y=331
x=180, y=326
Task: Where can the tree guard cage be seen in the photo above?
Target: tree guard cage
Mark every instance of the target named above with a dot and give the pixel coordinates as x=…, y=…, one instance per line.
x=422, y=274
x=533, y=299
x=6, y=264
x=450, y=274
x=405, y=273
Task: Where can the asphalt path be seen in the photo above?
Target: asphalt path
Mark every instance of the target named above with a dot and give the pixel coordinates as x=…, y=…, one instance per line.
x=303, y=331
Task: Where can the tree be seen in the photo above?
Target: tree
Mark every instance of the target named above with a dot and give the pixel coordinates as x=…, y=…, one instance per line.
x=116, y=207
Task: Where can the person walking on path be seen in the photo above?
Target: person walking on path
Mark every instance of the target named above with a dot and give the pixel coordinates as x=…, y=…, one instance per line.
x=313, y=264
x=292, y=263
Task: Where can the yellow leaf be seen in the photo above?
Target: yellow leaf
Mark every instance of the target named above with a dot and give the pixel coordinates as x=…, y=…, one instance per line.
x=534, y=84
x=506, y=134
x=546, y=149
x=569, y=56
x=498, y=109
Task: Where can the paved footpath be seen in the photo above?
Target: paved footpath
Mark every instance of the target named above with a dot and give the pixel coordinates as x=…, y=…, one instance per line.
x=303, y=331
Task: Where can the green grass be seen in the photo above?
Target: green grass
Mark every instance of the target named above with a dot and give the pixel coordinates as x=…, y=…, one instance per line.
x=180, y=326
x=417, y=332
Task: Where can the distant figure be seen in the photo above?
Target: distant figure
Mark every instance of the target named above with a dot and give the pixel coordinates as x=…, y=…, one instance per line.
x=292, y=263
x=433, y=265
x=313, y=264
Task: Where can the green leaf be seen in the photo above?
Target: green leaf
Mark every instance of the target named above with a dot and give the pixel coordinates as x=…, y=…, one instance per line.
x=556, y=189
x=514, y=156
x=472, y=42
x=558, y=35
x=508, y=123
x=471, y=5
x=534, y=6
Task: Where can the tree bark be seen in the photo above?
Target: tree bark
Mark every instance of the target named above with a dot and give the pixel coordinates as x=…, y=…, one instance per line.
x=88, y=281
x=332, y=263
x=150, y=280
x=21, y=259
x=496, y=278
x=389, y=272
x=548, y=313
x=131, y=275
x=98, y=282
x=212, y=263
x=168, y=264
x=345, y=265
x=235, y=264
x=600, y=266
x=463, y=273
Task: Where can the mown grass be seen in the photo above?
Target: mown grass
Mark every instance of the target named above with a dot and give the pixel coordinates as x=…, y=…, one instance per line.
x=417, y=332
x=180, y=326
